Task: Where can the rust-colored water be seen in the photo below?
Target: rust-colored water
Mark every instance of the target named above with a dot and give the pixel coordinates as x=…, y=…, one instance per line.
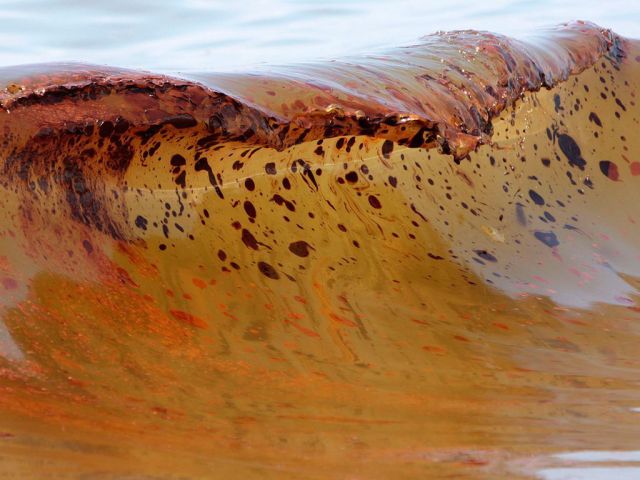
x=416, y=266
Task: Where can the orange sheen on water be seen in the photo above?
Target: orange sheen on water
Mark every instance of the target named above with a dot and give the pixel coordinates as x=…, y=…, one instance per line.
x=420, y=265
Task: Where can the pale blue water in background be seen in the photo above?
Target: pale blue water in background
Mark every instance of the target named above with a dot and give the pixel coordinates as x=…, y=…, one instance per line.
x=215, y=35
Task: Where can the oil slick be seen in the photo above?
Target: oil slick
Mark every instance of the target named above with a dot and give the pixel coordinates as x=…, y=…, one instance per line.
x=416, y=265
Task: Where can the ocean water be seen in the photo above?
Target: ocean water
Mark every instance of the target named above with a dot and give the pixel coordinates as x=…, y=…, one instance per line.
x=209, y=35
x=415, y=263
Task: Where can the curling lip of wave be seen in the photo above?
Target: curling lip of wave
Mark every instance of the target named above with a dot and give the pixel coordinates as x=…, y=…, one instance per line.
x=442, y=92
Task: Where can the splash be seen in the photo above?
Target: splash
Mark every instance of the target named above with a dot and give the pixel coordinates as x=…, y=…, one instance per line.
x=408, y=265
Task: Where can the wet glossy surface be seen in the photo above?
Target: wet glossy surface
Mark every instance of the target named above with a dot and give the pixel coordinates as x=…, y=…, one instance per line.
x=424, y=270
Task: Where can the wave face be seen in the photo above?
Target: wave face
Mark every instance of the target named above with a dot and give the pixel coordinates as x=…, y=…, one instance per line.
x=416, y=265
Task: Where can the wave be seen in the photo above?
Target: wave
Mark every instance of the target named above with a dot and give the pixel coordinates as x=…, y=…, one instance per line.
x=443, y=91
x=377, y=245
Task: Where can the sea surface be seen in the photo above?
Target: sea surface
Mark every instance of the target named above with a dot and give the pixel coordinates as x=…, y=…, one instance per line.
x=414, y=262
x=207, y=35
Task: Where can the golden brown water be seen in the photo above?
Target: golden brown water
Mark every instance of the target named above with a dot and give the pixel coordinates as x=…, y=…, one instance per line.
x=301, y=280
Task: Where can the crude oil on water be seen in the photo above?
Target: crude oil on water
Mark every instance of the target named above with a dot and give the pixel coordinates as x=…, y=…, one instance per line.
x=420, y=263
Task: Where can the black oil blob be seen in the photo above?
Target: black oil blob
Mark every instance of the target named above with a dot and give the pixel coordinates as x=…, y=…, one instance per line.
x=181, y=179
x=141, y=222
x=307, y=174
x=268, y=271
x=178, y=160
x=486, y=255
x=537, y=199
x=387, y=148
x=609, y=170
x=571, y=150
x=249, y=209
x=351, y=177
x=280, y=200
x=105, y=129
x=556, y=103
x=300, y=248
x=548, y=238
x=418, y=139
x=593, y=117
x=270, y=168
x=249, y=240
x=374, y=202
x=203, y=164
